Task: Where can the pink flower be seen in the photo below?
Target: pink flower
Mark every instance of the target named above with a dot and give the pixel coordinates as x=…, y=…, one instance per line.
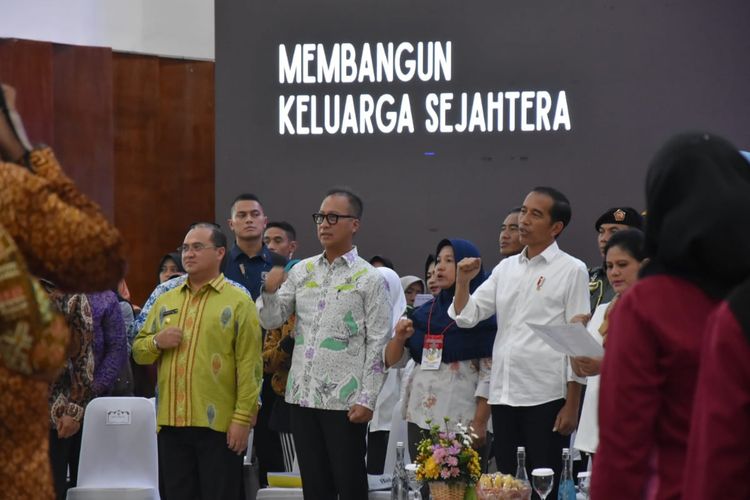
x=454, y=472
x=452, y=461
x=445, y=474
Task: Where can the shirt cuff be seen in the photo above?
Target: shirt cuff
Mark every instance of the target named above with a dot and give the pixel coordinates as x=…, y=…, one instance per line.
x=75, y=411
x=483, y=390
x=242, y=417
x=365, y=400
x=468, y=313
x=151, y=345
x=572, y=377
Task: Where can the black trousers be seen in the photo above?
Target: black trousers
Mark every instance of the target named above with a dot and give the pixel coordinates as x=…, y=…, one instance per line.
x=415, y=434
x=331, y=453
x=64, y=453
x=267, y=441
x=531, y=427
x=377, y=447
x=198, y=465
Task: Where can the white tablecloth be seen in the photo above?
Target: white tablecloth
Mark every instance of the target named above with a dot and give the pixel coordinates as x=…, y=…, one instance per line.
x=296, y=494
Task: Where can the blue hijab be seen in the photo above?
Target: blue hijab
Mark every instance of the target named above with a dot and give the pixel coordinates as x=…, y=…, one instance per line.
x=459, y=343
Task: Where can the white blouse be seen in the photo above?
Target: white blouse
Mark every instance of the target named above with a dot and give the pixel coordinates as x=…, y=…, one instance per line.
x=451, y=391
x=587, y=436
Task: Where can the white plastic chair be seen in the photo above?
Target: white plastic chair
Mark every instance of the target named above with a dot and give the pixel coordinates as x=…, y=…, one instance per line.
x=398, y=434
x=279, y=494
x=119, y=457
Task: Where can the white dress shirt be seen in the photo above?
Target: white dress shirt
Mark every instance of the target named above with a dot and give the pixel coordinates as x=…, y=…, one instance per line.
x=548, y=289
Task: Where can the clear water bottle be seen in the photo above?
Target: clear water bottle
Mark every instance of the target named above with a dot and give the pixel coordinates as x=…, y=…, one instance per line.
x=521, y=465
x=567, y=488
x=400, y=482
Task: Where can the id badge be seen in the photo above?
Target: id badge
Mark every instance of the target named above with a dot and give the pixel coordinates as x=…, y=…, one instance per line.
x=432, y=352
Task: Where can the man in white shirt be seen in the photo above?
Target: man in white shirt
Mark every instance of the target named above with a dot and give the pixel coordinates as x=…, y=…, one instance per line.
x=534, y=395
x=343, y=324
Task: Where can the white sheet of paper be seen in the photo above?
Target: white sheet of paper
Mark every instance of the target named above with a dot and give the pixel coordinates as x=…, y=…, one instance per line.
x=571, y=339
x=421, y=299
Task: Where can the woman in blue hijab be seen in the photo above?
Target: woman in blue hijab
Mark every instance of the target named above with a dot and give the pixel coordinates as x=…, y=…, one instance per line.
x=451, y=377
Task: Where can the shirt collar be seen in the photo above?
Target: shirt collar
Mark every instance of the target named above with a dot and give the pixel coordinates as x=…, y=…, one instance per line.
x=547, y=255
x=236, y=252
x=349, y=258
x=217, y=284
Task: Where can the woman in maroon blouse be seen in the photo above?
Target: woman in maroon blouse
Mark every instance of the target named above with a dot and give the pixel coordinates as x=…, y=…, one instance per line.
x=718, y=460
x=698, y=198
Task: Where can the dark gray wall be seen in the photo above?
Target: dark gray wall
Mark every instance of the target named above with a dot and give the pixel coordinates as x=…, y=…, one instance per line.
x=635, y=73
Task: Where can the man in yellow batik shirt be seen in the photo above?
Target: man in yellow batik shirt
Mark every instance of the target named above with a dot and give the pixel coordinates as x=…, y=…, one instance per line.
x=207, y=340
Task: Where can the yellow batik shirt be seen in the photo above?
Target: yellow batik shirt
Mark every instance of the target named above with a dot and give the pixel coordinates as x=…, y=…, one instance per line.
x=214, y=376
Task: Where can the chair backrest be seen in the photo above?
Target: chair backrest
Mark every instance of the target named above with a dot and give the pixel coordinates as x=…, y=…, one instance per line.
x=398, y=433
x=248, y=460
x=118, y=447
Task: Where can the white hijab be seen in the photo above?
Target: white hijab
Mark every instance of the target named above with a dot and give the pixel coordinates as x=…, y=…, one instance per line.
x=391, y=390
x=408, y=280
x=396, y=296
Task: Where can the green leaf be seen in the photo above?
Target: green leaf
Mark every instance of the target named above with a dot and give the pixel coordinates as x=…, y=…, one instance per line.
x=311, y=284
x=299, y=340
x=345, y=287
x=359, y=274
x=350, y=323
x=347, y=390
x=333, y=344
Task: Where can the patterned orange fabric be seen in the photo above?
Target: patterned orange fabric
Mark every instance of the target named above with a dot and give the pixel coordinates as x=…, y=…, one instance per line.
x=276, y=361
x=33, y=340
x=63, y=235
x=47, y=224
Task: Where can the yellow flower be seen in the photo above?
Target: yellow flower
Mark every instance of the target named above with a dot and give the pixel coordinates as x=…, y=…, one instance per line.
x=432, y=469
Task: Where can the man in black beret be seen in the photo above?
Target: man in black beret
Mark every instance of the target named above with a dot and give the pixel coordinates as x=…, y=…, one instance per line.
x=611, y=221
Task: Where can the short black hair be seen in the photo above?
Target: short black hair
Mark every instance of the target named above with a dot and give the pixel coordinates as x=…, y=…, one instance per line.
x=383, y=260
x=244, y=197
x=218, y=238
x=427, y=263
x=515, y=210
x=284, y=226
x=561, y=211
x=631, y=241
x=355, y=202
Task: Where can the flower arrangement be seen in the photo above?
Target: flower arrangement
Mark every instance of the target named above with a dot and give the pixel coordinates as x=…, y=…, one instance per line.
x=447, y=457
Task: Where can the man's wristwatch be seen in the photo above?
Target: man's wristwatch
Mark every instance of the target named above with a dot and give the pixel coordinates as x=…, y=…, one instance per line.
x=156, y=344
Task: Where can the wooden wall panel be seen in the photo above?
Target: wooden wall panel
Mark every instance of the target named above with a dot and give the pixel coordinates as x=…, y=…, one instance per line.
x=83, y=119
x=27, y=66
x=164, y=157
x=186, y=129
x=138, y=212
x=135, y=132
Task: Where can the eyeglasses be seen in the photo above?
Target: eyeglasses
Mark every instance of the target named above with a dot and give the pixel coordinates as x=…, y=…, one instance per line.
x=195, y=247
x=331, y=218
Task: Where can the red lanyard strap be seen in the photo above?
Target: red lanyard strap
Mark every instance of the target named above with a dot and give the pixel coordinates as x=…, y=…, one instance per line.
x=429, y=322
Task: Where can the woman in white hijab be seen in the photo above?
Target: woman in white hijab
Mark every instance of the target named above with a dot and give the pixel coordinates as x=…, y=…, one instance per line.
x=380, y=425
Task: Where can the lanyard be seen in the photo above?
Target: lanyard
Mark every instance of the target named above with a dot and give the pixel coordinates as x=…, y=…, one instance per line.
x=429, y=321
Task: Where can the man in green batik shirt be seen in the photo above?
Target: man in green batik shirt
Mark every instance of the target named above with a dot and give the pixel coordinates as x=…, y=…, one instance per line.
x=207, y=339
